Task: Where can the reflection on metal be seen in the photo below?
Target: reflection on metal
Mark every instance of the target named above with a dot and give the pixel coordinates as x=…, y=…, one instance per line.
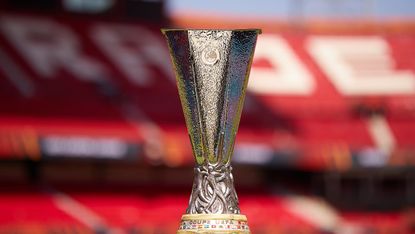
x=212, y=69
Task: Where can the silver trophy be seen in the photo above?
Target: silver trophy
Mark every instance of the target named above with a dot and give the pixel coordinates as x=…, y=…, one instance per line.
x=212, y=69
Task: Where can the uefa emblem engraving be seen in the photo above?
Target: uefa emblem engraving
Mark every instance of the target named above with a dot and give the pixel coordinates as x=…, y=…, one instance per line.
x=210, y=55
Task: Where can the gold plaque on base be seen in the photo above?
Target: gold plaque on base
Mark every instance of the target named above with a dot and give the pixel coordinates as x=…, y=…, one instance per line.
x=213, y=223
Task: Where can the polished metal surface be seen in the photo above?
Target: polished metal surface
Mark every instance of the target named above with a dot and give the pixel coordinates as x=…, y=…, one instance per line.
x=212, y=69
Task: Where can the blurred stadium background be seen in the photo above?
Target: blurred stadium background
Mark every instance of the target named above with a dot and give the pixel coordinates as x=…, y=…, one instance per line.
x=92, y=137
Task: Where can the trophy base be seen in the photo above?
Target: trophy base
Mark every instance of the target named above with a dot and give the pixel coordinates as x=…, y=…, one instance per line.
x=213, y=224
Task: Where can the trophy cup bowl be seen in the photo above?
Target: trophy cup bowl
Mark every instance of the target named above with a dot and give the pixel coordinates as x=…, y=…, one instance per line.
x=212, y=69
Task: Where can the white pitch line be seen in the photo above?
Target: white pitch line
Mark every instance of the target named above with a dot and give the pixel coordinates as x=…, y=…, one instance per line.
x=381, y=134
x=315, y=211
x=78, y=211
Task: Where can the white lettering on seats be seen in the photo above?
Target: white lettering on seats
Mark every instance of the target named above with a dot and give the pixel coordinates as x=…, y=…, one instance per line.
x=134, y=50
x=49, y=46
x=287, y=74
x=360, y=65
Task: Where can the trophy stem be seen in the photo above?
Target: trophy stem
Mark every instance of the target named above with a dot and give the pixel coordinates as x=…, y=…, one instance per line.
x=213, y=191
